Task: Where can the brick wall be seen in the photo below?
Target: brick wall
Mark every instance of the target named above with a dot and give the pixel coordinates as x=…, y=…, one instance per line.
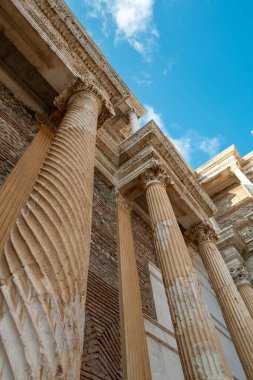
x=101, y=355
x=145, y=252
x=17, y=129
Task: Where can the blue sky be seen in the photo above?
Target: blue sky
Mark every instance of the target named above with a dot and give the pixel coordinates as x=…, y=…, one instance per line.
x=190, y=62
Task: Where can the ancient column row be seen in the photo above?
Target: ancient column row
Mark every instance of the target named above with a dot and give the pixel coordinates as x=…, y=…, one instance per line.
x=44, y=261
x=235, y=312
x=200, y=350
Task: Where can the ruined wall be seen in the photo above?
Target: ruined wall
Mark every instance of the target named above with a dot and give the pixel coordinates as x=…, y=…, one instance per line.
x=17, y=129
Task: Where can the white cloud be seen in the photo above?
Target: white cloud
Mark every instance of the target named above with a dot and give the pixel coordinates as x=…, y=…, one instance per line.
x=173, y=61
x=190, y=143
x=209, y=145
x=143, y=78
x=132, y=19
x=152, y=115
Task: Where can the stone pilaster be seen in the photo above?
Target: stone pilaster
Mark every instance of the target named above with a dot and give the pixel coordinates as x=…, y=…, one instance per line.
x=20, y=182
x=199, y=347
x=241, y=279
x=235, y=312
x=44, y=263
x=135, y=361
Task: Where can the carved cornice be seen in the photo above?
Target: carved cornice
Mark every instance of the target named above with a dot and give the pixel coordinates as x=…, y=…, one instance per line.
x=89, y=84
x=202, y=232
x=60, y=29
x=229, y=237
x=240, y=276
x=155, y=173
x=150, y=138
x=122, y=202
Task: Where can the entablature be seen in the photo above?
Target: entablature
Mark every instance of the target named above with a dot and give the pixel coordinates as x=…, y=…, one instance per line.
x=135, y=155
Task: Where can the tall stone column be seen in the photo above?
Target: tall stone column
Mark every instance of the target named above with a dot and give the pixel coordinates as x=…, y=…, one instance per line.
x=133, y=121
x=135, y=360
x=44, y=263
x=199, y=347
x=241, y=279
x=235, y=312
x=248, y=185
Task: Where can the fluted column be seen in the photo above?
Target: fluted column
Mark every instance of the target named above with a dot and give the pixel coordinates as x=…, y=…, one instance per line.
x=199, y=347
x=135, y=360
x=133, y=121
x=44, y=263
x=241, y=279
x=235, y=312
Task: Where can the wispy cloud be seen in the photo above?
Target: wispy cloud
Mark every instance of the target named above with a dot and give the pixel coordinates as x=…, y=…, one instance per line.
x=132, y=21
x=190, y=142
x=152, y=115
x=173, y=61
x=143, y=78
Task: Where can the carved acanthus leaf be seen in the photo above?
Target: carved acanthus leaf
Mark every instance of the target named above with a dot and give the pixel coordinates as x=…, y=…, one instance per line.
x=240, y=275
x=156, y=173
x=87, y=83
x=202, y=232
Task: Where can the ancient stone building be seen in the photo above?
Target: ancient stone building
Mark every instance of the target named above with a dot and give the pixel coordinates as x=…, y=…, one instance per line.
x=117, y=260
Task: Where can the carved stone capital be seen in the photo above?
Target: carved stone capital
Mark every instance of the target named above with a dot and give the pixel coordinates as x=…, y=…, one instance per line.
x=202, y=232
x=234, y=166
x=88, y=84
x=240, y=276
x=155, y=173
x=122, y=202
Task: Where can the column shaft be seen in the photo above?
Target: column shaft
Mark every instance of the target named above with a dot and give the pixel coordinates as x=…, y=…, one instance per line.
x=20, y=182
x=246, y=292
x=44, y=263
x=133, y=337
x=199, y=347
x=236, y=314
x=133, y=121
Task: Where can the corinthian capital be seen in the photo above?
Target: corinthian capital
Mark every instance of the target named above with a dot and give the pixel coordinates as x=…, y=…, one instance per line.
x=240, y=276
x=87, y=83
x=202, y=232
x=155, y=173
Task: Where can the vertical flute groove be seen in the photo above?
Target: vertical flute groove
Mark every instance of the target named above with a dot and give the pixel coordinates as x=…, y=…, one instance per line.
x=199, y=346
x=236, y=314
x=44, y=262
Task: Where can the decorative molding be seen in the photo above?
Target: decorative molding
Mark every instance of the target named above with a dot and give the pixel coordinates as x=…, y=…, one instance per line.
x=202, y=232
x=155, y=173
x=240, y=276
x=89, y=84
